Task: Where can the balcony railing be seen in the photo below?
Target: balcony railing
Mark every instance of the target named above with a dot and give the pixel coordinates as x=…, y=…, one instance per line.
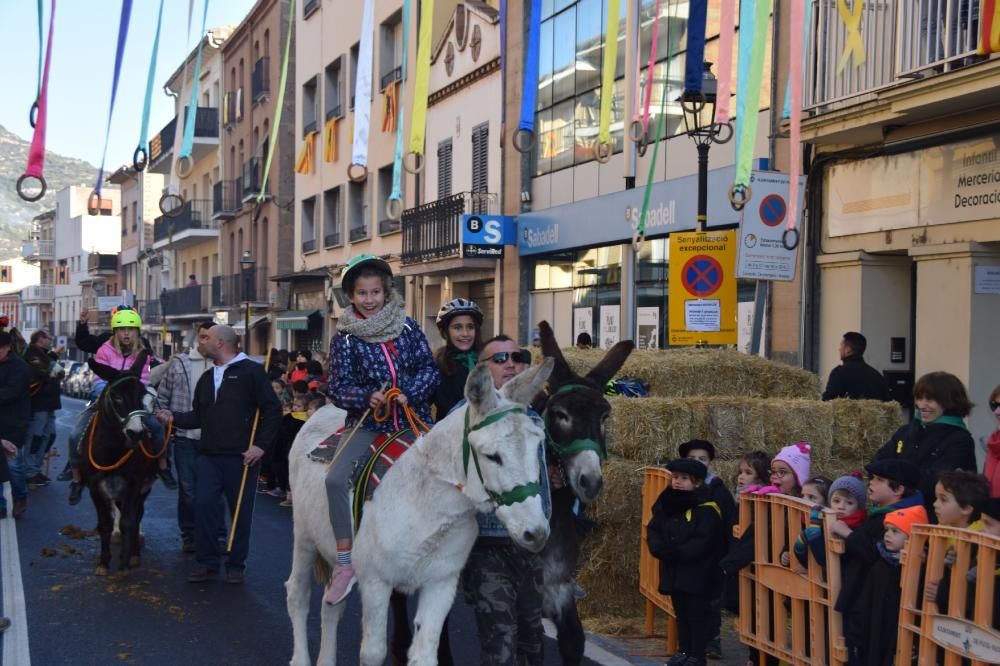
x=206, y=126
x=894, y=42
x=38, y=250
x=186, y=300
x=251, y=285
x=391, y=76
x=194, y=214
x=39, y=292
x=151, y=312
x=358, y=233
x=261, y=80
x=253, y=170
x=226, y=199
x=308, y=246
x=102, y=263
x=335, y=111
x=332, y=240
x=434, y=230
x=388, y=226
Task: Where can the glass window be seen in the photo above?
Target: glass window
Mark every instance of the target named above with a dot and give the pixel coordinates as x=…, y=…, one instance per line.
x=564, y=56
x=542, y=153
x=557, y=140
x=588, y=121
x=589, y=32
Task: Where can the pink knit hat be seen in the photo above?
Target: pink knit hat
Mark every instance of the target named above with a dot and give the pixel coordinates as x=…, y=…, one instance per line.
x=796, y=456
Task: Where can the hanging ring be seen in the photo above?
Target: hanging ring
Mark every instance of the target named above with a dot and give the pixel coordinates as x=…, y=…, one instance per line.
x=172, y=211
x=603, y=151
x=636, y=131
x=94, y=203
x=643, y=145
x=394, y=209
x=33, y=114
x=523, y=140
x=418, y=162
x=185, y=165
x=739, y=195
x=258, y=209
x=637, y=239
x=790, y=245
x=140, y=159
x=720, y=130
x=31, y=197
x=353, y=176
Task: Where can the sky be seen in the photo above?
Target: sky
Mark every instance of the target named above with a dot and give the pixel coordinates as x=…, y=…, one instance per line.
x=83, y=58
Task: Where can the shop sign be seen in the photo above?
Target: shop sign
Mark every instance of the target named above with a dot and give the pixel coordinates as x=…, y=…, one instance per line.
x=762, y=252
x=583, y=322
x=647, y=327
x=610, y=325
x=702, y=306
x=483, y=236
x=987, y=280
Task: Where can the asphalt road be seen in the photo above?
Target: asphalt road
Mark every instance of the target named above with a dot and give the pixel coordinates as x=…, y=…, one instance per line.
x=152, y=615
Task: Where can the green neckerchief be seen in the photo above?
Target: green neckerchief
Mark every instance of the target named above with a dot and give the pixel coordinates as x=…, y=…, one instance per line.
x=466, y=358
x=944, y=419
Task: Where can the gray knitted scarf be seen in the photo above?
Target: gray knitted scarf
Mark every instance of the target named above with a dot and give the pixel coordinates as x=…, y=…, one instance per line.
x=386, y=325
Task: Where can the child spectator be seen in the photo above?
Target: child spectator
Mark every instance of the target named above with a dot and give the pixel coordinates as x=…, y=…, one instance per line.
x=704, y=452
x=880, y=594
x=789, y=470
x=816, y=489
x=755, y=467
x=847, y=499
x=315, y=405
x=684, y=534
x=957, y=495
x=280, y=389
x=300, y=371
x=300, y=389
x=892, y=486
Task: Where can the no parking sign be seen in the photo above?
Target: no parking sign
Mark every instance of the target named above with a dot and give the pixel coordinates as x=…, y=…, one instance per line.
x=762, y=253
x=702, y=301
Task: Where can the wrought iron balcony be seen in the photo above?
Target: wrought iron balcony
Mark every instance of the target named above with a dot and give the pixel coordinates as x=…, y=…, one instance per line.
x=434, y=230
x=150, y=311
x=192, y=224
x=260, y=83
x=231, y=290
x=253, y=174
x=38, y=250
x=391, y=77
x=206, y=134
x=226, y=199
x=185, y=301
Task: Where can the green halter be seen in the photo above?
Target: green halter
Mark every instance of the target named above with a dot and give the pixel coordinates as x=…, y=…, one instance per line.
x=109, y=405
x=577, y=445
x=512, y=496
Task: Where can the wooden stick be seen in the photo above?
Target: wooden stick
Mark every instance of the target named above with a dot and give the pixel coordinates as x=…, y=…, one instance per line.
x=342, y=444
x=246, y=468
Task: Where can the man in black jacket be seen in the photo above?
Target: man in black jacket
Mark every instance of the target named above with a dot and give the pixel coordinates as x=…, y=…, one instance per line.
x=46, y=399
x=226, y=400
x=15, y=412
x=854, y=378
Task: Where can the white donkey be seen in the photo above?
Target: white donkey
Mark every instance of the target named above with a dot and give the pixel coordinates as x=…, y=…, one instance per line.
x=419, y=528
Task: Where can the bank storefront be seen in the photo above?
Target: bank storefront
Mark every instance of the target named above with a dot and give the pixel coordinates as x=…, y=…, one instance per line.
x=584, y=275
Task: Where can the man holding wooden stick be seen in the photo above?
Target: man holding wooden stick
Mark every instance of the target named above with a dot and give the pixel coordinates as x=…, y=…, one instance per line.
x=239, y=416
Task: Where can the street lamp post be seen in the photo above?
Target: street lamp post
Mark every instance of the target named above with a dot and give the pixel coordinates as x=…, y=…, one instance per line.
x=700, y=125
x=246, y=267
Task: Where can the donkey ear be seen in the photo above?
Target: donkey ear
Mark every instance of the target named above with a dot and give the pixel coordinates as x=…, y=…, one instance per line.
x=105, y=372
x=479, y=390
x=561, y=372
x=139, y=363
x=612, y=362
x=525, y=386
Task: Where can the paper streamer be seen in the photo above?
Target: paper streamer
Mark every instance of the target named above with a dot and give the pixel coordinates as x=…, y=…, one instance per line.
x=418, y=123
x=529, y=98
x=123, y=22
x=187, y=144
x=36, y=154
x=752, y=73
x=727, y=27
x=806, y=32
x=363, y=87
x=795, y=79
x=694, y=68
x=608, y=71
x=150, y=80
x=279, y=104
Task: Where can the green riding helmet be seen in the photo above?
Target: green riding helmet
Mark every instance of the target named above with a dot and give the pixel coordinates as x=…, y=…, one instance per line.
x=356, y=264
x=125, y=317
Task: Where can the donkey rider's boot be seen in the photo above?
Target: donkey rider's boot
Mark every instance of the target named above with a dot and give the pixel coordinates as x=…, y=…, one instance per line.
x=341, y=584
x=75, y=492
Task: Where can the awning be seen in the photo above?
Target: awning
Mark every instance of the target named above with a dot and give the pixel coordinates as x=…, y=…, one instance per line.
x=254, y=322
x=300, y=276
x=295, y=320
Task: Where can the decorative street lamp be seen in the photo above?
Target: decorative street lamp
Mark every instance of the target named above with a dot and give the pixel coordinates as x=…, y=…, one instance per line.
x=700, y=125
x=246, y=270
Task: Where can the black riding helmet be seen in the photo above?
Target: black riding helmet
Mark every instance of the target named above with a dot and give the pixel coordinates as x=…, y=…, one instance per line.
x=358, y=263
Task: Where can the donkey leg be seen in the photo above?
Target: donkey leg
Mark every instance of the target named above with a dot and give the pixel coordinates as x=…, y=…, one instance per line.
x=402, y=636
x=330, y=618
x=444, y=646
x=298, y=592
x=375, y=616
x=571, y=637
x=436, y=599
x=105, y=523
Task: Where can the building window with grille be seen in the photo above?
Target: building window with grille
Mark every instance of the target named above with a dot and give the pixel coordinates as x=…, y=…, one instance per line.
x=480, y=158
x=444, y=169
x=309, y=99
x=309, y=225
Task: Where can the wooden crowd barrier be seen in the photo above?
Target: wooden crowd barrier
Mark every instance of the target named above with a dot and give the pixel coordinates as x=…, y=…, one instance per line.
x=655, y=481
x=788, y=611
x=966, y=631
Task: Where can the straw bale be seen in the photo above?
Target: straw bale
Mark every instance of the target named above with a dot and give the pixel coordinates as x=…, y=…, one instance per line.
x=693, y=372
x=861, y=426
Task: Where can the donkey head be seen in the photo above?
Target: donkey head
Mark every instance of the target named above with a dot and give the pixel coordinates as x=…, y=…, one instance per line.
x=505, y=445
x=575, y=412
x=124, y=400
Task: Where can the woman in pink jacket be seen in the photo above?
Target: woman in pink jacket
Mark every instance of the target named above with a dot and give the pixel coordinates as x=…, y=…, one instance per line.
x=992, y=469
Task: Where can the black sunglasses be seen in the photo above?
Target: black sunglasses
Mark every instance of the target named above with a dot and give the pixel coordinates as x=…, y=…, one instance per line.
x=993, y=405
x=502, y=357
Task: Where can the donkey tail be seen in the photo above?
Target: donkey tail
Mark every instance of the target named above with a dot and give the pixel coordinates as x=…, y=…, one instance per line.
x=322, y=570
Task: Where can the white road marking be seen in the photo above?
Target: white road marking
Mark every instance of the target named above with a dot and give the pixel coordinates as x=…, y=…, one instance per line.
x=15, y=639
x=590, y=650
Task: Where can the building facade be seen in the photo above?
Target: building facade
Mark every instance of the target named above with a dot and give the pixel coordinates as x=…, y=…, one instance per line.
x=38, y=300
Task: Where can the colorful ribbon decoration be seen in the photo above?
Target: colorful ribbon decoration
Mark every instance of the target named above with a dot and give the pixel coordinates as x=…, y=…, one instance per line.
x=727, y=26
x=123, y=22
x=651, y=68
x=529, y=98
x=32, y=114
x=603, y=149
x=853, y=45
x=640, y=231
x=279, y=104
x=330, y=140
x=150, y=79
x=394, y=206
x=694, y=68
x=503, y=67
x=390, y=104
x=304, y=162
x=36, y=154
x=989, y=27
x=753, y=38
x=795, y=144
x=418, y=123
x=363, y=94
x=786, y=111
x=187, y=144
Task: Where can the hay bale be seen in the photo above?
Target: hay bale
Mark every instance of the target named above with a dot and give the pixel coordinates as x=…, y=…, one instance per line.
x=862, y=426
x=705, y=372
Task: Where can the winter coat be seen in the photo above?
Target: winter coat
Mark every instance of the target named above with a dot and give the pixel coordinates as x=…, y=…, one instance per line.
x=110, y=356
x=359, y=368
x=991, y=467
x=878, y=614
x=857, y=380
x=15, y=400
x=88, y=343
x=685, y=534
x=176, y=391
x=727, y=505
x=48, y=396
x=451, y=390
x=933, y=448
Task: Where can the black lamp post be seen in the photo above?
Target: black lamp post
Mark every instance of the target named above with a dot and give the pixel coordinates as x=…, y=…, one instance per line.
x=700, y=125
x=246, y=269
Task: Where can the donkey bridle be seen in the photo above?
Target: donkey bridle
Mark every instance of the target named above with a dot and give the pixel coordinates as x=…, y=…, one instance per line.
x=577, y=445
x=512, y=496
x=109, y=405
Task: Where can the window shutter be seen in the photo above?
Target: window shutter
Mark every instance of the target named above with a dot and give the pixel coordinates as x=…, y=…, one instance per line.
x=444, y=169
x=480, y=158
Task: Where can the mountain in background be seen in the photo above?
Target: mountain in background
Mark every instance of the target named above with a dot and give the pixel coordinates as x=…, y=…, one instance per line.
x=15, y=213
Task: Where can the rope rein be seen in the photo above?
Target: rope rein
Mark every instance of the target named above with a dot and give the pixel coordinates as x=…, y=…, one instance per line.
x=128, y=454
x=384, y=409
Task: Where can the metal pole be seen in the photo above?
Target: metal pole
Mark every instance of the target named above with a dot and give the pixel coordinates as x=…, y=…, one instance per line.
x=702, y=185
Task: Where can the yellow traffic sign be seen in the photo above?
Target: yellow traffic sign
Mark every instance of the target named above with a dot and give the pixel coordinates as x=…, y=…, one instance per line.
x=702, y=295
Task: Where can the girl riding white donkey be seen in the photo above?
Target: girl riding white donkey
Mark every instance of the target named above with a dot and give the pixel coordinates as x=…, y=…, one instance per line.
x=420, y=526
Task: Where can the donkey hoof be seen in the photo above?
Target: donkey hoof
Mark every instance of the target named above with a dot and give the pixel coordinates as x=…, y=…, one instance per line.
x=101, y=570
